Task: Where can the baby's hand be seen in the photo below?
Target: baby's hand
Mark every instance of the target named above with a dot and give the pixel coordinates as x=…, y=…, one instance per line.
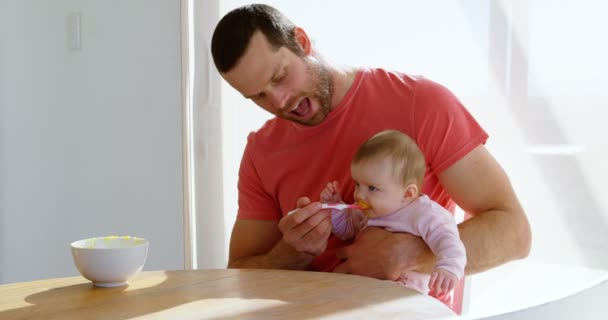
x=331, y=193
x=442, y=283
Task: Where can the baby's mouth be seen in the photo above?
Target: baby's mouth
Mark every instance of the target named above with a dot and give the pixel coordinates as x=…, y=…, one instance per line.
x=363, y=204
x=365, y=208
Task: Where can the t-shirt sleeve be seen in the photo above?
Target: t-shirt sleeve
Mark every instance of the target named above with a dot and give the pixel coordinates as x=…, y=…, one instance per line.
x=254, y=202
x=445, y=130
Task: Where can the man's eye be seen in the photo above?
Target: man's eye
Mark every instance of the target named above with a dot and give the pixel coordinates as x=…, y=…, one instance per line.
x=259, y=96
x=280, y=77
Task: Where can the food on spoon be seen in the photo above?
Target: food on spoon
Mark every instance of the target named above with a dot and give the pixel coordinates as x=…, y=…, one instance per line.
x=363, y=205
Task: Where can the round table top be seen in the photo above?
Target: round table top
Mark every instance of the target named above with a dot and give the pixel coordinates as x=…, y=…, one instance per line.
x=220, y=293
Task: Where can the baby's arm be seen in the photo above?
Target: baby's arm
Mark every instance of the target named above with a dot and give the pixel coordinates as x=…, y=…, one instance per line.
x=439, y=231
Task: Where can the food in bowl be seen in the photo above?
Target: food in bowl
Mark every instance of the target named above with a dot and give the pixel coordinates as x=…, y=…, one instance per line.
x=110, y=261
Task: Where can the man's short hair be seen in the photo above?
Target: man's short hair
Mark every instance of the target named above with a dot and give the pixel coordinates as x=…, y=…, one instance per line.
x=234, y=31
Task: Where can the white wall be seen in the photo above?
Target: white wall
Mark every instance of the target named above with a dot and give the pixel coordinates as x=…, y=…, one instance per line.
x=90, y=139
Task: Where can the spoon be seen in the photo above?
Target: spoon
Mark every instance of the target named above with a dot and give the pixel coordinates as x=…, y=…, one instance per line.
x=339, y=206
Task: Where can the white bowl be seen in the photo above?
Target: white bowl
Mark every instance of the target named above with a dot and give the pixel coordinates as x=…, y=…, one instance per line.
x=109, y=261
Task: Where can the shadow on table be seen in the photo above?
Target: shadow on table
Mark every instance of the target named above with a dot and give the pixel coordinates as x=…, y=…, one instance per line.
x=203, y=290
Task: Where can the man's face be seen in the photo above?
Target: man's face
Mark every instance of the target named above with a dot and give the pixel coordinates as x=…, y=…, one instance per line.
x=296, y=88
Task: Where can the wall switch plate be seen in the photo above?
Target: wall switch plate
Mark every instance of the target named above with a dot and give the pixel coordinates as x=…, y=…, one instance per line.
x=74, y=31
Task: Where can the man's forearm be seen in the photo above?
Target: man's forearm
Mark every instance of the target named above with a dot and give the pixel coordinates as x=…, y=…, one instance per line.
x=281, y=256
x=493, y=238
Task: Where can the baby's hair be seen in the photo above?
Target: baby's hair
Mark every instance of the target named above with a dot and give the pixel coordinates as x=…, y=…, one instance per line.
x=408, y=161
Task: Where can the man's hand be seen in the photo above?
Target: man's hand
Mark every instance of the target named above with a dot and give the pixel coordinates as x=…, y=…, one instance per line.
x=307, y=229
x=381, y=254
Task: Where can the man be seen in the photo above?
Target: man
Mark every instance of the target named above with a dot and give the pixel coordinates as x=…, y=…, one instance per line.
x=323, y=113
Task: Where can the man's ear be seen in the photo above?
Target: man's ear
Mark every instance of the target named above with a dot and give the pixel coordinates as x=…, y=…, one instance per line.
x=303, y=39
x=411, y=192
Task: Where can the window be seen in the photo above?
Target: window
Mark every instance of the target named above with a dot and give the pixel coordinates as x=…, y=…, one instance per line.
x=531, y=72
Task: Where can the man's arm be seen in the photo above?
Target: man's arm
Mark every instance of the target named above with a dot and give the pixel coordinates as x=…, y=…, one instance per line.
x=290, y=243
x=258, y=244
x=497, y=233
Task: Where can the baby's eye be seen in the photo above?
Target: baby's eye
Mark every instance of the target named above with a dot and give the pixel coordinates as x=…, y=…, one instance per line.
x=372, y=188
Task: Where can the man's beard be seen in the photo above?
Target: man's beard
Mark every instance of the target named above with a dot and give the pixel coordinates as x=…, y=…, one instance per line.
x=322, y=91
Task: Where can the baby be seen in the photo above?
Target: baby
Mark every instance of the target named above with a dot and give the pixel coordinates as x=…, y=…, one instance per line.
x=388, y=170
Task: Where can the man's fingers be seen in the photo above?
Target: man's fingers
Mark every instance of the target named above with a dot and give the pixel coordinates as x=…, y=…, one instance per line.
x=307, y=229
x=314, y=219
x=298, y=230
x=302, y=202
x=316, y=227
x=302, y=214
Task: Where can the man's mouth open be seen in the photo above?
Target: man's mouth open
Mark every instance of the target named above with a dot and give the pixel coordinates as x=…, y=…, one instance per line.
x=303, y=109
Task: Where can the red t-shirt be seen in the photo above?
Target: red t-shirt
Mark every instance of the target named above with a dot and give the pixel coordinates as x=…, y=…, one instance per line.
x=284, y=161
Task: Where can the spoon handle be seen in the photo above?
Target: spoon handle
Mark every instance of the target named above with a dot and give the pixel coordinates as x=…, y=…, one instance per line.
x=339, y=206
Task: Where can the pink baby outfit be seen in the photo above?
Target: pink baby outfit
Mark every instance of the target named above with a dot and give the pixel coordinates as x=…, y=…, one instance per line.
x=424, y=218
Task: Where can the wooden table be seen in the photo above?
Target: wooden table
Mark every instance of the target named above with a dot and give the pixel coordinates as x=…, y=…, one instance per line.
x=219, y=294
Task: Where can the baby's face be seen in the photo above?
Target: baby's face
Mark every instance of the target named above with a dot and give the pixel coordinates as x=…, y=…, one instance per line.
x=376, y=186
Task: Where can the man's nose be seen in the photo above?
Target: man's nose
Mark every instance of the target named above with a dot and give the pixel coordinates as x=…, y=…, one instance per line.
x=280, y=98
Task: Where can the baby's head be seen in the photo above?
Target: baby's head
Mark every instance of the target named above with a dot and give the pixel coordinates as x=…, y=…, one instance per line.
x=388, y=170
